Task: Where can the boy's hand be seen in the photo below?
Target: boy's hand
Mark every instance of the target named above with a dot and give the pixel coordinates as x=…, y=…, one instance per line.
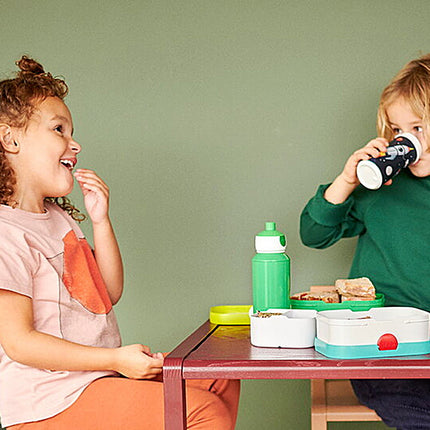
x=372, y=150
x=137, y=362
x=96, y=194
x=347, y=181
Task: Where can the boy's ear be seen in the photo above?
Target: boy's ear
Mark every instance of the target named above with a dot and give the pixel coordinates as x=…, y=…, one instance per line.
x=6, y=139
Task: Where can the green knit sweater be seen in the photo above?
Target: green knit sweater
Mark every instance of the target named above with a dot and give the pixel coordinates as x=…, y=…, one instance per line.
x=393, y=225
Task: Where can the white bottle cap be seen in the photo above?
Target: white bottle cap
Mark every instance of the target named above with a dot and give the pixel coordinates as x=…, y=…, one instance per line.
x=270, y=241
x=369, y=174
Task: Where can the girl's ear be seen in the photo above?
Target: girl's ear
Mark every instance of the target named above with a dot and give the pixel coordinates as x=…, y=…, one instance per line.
x=6, y=139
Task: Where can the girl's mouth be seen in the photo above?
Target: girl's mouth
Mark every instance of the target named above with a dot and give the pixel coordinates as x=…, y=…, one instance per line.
x=69, y=163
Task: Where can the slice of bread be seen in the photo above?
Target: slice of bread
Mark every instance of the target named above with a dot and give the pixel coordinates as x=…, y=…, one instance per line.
x=356, y=288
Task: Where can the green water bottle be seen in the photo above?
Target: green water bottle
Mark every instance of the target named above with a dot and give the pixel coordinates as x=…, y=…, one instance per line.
x=270, y=270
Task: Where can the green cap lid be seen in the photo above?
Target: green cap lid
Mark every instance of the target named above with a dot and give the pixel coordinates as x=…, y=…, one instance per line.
x=271, y=226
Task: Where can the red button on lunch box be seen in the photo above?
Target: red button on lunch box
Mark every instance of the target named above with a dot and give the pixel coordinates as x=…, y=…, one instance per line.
x=387, y=342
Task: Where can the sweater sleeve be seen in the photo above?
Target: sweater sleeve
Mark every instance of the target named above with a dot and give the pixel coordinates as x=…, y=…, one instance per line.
x=323, y=223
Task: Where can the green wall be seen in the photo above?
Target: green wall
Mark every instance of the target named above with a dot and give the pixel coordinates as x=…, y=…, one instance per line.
x=208, y=118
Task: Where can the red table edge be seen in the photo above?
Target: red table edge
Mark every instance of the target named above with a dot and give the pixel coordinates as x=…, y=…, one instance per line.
x=314, y=369
x=174, y=385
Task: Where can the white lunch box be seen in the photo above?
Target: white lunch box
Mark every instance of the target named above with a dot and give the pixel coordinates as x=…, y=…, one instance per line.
x=378, y=332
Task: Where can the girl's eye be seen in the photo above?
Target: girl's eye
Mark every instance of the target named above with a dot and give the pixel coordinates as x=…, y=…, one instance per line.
x=397, y=130
x=59, y=128
x=418, y=128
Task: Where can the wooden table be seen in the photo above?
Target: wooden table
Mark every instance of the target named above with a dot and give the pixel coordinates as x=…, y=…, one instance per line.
x=225, y=352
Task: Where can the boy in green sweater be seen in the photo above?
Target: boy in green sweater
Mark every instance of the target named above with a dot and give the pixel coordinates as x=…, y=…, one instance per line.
x=392, y=224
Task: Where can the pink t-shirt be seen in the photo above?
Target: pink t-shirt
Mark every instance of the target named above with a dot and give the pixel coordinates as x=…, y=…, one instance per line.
x=46, y=257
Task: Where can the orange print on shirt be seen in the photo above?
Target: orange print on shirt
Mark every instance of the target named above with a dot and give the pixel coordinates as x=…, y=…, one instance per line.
x=82, y=277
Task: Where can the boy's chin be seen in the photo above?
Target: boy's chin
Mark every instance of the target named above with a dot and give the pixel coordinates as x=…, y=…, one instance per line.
x=420, y=173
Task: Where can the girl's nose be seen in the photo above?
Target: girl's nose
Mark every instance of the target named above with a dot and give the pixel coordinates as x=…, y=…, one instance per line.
x=75, y=147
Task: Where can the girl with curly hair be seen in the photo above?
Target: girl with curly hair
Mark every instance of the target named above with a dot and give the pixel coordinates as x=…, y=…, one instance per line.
x=62, y=365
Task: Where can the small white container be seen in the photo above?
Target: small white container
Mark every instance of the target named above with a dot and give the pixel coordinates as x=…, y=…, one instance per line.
x=294, y=328
x=377, y=332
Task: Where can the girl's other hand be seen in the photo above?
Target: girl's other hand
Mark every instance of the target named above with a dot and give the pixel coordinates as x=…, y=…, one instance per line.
x=372, y=150
x=96, y=194
x=137, y=362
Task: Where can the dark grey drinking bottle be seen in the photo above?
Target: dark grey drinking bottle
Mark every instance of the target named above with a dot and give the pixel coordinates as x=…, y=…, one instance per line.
x=404, y=150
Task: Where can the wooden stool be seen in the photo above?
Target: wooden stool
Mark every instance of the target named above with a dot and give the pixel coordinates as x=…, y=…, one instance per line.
x=334, y=400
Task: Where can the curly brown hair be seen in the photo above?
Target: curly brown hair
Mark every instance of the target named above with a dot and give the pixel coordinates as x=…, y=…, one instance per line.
x=19, y=97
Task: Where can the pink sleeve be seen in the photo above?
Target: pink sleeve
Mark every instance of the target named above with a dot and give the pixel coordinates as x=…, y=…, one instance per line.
x=17, y=264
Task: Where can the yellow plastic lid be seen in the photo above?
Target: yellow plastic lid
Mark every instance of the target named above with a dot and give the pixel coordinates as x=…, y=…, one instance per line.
x=230, y=315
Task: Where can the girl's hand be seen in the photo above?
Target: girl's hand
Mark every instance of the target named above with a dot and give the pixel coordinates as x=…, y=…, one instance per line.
x=137, y=362
x=96, y=194
x=372, y=150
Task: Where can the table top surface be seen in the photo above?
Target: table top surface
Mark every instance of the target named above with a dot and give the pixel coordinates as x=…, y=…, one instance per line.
x=226, y=351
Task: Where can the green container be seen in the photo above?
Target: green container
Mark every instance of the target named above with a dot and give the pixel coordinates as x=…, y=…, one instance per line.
x=270, y=271
x=319, y=305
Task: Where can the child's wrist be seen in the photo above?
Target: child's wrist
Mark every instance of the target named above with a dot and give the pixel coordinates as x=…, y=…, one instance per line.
x=104, y=222
x=347, y=181
x=339, y=191
x=113, y=359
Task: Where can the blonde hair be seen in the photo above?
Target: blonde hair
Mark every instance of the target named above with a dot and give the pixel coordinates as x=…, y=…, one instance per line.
x=412, y=84
x=19, y=97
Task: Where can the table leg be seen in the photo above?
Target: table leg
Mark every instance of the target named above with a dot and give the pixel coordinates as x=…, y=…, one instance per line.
x=175, y=411
x=175, y=417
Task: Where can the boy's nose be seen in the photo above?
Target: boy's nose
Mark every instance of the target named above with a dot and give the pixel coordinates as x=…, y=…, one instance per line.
x=424, y=145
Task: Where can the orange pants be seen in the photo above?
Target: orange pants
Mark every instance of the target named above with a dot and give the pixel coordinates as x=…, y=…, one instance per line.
x=114, y=403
